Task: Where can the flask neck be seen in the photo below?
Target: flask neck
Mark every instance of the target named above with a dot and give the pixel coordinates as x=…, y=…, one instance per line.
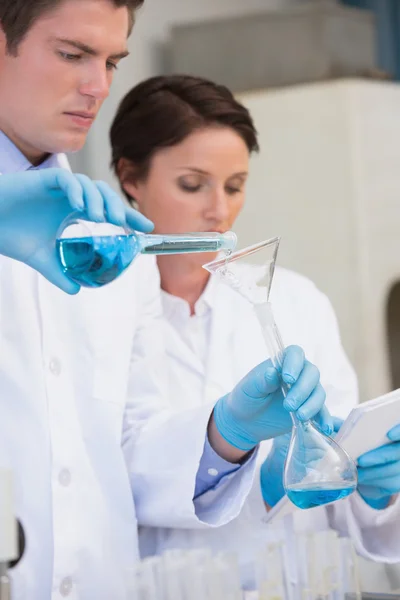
x=185, y=243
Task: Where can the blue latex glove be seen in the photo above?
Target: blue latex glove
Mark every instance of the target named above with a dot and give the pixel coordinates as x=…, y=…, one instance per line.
x=271, y=472
x=379, y=472
x=272, y=469
x=33, y=205
x=256, y=409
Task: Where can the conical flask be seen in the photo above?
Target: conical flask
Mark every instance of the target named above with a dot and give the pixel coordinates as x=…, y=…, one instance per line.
x=317, y=470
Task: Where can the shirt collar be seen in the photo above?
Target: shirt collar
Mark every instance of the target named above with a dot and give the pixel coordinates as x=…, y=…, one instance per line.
x=178, y=308
x=13, y=161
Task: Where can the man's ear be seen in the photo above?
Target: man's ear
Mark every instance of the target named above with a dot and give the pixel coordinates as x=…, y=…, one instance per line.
x=3, y=43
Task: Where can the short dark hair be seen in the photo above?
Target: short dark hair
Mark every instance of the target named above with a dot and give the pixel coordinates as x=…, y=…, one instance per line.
x=18, y=16
x=162, y=111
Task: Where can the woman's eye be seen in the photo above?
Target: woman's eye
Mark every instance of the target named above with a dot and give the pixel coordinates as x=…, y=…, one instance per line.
x=190, y=188
x=232, y=190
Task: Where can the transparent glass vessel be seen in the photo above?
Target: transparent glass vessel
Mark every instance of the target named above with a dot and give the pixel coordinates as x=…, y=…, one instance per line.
x=94, y=254
x=317, y=470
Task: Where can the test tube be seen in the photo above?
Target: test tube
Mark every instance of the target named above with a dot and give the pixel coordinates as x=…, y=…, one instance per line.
x=223, y=580
x=305, y=551
x=349, y=570
x=270, y=573
x=186, y=574
x=144, y=582
x=326, y=564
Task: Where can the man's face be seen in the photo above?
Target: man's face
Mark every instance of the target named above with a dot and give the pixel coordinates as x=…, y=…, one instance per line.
x=52, y=90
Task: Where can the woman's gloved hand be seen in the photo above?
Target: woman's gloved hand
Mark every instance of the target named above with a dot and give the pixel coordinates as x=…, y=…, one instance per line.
x=272, y=469
x=379, y=472
x=256, y=409
x=271, y=472
x=33, y=205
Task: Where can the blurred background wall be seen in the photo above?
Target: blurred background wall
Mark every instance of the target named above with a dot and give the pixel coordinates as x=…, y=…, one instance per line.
x=146, y=45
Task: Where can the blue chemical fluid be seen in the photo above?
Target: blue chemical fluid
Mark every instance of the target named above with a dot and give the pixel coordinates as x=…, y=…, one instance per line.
x=309, y=495
x=98, y=260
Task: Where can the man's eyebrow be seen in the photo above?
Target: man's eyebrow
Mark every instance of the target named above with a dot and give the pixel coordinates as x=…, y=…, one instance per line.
x=88, y=50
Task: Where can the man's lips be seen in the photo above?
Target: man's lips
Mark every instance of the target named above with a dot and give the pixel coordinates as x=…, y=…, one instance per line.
x=81, y=118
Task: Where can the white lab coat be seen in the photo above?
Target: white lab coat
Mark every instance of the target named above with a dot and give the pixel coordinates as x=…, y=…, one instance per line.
x=80, y=377
x=305, y=317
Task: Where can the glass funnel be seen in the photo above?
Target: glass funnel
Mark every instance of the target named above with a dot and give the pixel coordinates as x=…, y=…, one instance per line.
x=317, y=469
x=94, y=254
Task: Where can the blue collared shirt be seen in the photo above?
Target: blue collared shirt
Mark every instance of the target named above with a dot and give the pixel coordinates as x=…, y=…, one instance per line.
x=13, y=161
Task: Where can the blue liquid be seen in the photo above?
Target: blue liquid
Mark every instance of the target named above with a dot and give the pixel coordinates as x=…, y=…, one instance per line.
x=98, y=260
x=309, y=496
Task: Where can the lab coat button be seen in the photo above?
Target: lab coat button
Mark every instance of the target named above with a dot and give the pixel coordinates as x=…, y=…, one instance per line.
x=212, y=472
x=64, y=477
x=55, y=366
x=66, y=586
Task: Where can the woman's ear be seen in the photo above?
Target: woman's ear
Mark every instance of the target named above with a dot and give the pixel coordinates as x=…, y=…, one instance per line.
x=127, y=177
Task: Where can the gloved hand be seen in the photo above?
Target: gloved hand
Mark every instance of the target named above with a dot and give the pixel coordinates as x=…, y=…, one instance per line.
x=33, y=205
x=272, y=469
x=256, y=410
x=271, y=472
x=379, y=472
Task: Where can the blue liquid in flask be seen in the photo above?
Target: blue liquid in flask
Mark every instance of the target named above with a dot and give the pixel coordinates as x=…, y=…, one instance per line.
x=309, y=495
x=93, y=261
x=97, y=260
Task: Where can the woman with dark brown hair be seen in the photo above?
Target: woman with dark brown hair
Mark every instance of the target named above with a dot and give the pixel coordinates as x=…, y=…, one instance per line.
x=180, y=148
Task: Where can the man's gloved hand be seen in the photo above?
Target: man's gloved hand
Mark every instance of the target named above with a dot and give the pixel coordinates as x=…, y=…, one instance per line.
x=379, y=472
x=33, y=205
x=271, y=472
x=256, y=410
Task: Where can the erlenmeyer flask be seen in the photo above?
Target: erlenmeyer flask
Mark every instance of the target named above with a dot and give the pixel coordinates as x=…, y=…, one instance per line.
x=94, y=254
x=317, y=469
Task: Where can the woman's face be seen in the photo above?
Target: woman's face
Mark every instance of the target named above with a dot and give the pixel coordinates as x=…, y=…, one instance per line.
x=197, y=185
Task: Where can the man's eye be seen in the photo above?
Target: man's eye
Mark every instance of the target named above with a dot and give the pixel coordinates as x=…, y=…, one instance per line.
x=111, y=66
x=70, y=57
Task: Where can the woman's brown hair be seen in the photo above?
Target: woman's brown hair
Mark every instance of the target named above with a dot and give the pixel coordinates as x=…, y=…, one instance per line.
x=164, y=110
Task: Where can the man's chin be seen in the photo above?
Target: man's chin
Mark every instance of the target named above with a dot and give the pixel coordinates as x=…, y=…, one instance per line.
x=69, y=144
